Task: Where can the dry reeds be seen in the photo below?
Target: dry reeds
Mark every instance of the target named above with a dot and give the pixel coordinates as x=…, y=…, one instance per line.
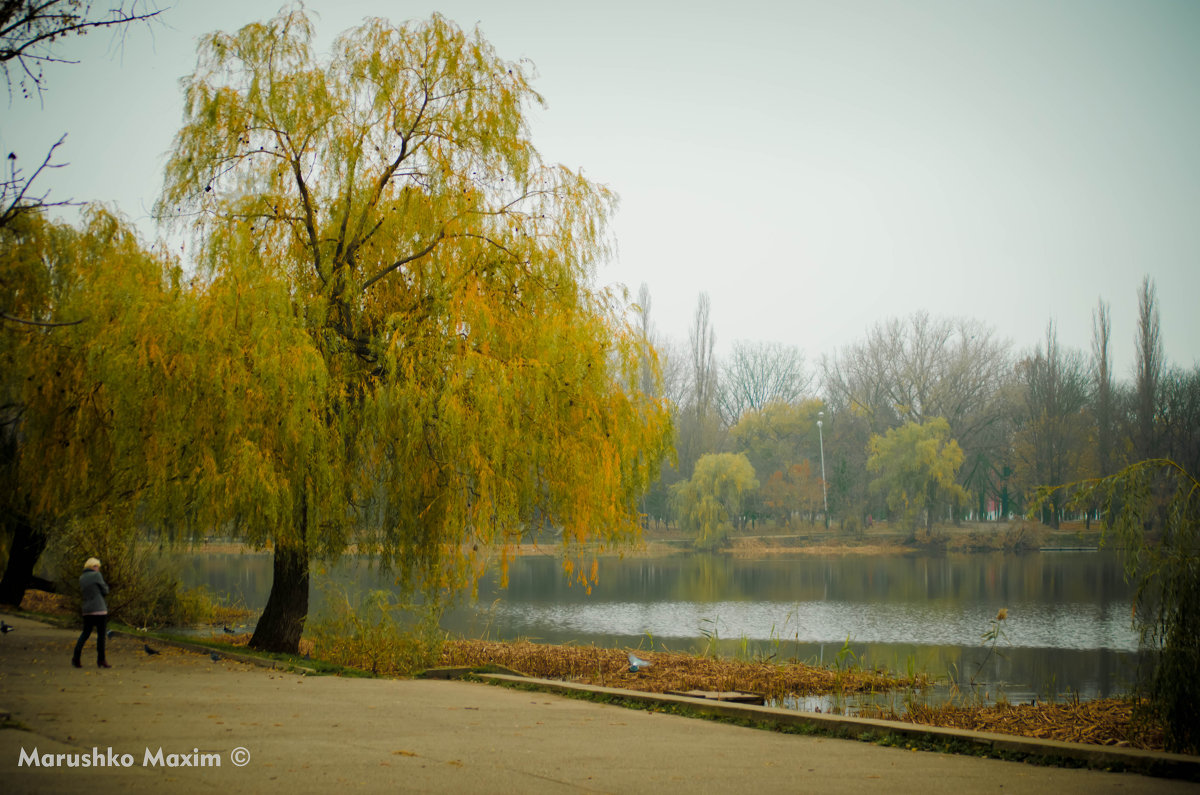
x=668, y=671
x=1108, y=721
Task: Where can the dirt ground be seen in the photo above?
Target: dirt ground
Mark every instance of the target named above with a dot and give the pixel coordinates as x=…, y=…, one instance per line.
x=321, y=734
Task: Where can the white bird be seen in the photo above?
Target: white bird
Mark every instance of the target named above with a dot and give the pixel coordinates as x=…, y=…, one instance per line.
x=636, y=663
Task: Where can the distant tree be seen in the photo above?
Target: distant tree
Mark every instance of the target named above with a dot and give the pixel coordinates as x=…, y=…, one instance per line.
x=1052, y=444
x=698, y=420
x=916, y=467
x=1180, y=413
x=1103, y=386
x=1151, y=510
x=756, y=374
x=1149, y=364
x=777, y=435
x=711, y=501
x=660, y=376
x=791, y=492
x=912, y=369
x=439, y=270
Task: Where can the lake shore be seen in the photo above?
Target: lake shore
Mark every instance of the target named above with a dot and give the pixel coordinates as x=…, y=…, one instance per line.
x=332, y=733
x=767, y=539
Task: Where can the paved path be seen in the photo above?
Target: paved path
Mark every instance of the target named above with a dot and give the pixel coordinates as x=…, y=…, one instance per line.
x=325, y=734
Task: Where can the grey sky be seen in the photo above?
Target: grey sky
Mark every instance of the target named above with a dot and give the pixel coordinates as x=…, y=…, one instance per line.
x=814, y=166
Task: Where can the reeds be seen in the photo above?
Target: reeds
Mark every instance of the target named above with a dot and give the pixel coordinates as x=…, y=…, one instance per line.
x=670, y=670
x=1109, y=721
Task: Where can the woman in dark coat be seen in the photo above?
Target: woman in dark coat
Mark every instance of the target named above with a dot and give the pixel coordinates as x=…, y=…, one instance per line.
x=95, y=612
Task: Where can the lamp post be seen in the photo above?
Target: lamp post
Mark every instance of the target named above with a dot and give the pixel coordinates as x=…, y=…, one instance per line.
x=824, y=497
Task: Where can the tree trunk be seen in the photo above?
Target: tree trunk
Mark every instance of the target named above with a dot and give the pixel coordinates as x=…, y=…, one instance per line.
x=282, y=622
x=27, y=546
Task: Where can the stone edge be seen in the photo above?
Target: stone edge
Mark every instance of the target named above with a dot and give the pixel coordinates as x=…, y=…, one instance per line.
x=1153, y=763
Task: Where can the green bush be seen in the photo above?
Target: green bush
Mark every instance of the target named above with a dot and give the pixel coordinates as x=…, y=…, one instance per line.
x=379, y=635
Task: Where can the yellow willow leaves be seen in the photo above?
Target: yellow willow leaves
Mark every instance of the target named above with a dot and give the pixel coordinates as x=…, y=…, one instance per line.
x=70, y=386
x=412, y=338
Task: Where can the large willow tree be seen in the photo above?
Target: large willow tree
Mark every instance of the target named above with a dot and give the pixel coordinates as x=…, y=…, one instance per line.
x=471, y=382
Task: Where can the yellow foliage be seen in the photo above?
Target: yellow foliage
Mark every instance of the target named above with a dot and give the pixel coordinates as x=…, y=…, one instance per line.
x=416, y=361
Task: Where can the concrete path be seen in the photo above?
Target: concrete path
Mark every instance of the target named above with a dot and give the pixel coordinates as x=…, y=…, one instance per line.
x=327, y=734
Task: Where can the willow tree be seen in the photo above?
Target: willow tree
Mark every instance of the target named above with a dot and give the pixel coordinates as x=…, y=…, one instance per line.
x=711, y=502
x=474, y=382
x=1151, y=511
x=916, y=469
x=87, y=315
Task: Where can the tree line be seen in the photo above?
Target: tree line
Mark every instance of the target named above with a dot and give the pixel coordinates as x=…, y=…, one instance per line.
x=924, y=419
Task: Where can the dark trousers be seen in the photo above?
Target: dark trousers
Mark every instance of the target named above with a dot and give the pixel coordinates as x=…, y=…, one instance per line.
x=100, y=624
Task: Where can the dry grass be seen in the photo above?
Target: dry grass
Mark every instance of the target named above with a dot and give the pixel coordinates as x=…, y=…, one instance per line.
x=668, y=671
x=1108, y=721
x=49, y=604
x=757, y=548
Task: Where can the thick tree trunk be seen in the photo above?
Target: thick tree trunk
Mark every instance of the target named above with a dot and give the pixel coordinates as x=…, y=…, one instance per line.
x=27, y=546
x=282, y=621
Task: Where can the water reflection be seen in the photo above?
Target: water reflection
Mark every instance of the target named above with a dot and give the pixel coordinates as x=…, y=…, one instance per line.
x=1068, y=627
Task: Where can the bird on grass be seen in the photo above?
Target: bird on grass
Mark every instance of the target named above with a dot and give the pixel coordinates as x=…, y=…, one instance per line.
x=636, y=663
x=228, y=631
x=214, y=656
x=149, y=650
x=6, y=628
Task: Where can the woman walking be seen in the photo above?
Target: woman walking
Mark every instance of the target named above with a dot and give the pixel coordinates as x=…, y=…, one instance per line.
x=95, y=612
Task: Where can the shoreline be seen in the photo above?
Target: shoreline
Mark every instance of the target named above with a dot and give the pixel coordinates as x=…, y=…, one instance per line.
x=881, y=539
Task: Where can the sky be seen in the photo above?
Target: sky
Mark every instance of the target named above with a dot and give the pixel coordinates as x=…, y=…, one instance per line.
x=814, y=166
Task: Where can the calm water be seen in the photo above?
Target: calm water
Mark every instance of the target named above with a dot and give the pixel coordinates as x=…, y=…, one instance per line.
x=1068, y=628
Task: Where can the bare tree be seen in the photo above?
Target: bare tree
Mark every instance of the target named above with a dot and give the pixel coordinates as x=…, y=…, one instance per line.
x=1102, y=379
x=698, y=416
x=760, y=373
x=1180, y=410
x=1051, y=438
x=1149, y=371
x=31, y=30
x=917, y=368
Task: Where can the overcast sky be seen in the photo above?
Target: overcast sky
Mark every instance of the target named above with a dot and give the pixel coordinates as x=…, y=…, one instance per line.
x=814, y=166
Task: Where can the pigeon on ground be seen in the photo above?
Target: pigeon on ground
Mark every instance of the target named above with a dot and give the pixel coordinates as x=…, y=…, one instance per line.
x=636, y=663
x=228, y=631
x=215, y=657
x=149, y=650
x=6, y=627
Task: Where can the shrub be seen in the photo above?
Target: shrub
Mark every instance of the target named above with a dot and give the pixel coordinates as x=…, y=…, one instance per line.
x=379, y=635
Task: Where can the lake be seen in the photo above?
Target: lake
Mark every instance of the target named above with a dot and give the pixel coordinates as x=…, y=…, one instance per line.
x=1068, y=629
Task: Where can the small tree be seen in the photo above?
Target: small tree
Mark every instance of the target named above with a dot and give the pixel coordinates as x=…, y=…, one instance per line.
x=711, y=501
x=1152, y=511
x=916, y=467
